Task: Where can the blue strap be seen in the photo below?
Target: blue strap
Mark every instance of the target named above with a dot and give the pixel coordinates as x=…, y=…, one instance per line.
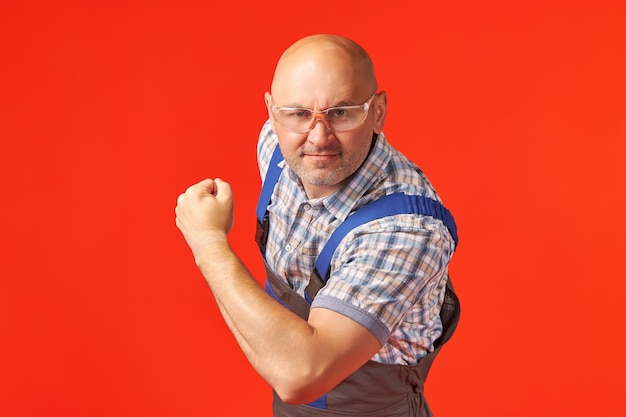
x=319, y=403
x=271, y=178
x=389, y=205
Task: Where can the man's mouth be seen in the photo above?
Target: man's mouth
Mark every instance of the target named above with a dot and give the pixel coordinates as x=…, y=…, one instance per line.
x=321, y=156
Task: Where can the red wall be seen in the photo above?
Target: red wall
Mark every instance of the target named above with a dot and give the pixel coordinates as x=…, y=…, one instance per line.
x=516, y=110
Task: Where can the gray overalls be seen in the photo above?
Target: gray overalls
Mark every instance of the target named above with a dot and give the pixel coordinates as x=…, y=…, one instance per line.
x=375, y=389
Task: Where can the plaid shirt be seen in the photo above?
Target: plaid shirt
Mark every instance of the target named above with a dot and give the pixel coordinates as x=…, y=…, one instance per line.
x=388, y=275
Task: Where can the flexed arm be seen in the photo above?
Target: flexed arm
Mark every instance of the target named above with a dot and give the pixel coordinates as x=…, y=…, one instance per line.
x=301, y=360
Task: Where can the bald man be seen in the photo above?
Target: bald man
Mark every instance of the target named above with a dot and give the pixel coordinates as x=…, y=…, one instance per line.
x=360, y=339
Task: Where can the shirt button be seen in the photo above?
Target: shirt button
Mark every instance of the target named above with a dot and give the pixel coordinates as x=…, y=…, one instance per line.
x=288, y=248
x=306, y=207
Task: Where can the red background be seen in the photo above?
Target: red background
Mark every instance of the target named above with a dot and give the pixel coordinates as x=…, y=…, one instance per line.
x=516, y=111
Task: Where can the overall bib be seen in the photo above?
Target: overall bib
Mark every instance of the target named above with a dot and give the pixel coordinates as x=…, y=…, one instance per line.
x=375, y=389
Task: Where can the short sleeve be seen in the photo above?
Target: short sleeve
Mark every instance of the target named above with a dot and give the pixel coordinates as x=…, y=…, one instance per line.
x=388, y=271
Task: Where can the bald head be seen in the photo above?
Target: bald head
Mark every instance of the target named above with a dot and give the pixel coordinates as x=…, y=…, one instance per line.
x=324, y=65
x=314, y=75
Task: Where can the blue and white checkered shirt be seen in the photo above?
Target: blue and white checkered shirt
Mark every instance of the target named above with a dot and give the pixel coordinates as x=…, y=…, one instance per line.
x=388, y=275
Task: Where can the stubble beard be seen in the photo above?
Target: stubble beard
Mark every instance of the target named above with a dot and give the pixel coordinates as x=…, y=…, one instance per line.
x=325, y=174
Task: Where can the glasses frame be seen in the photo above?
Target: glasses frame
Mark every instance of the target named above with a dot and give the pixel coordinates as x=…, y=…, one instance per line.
x=321, y=115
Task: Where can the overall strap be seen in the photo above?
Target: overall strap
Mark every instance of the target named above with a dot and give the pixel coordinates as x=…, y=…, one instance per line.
x=271, y=178
x=389, y=205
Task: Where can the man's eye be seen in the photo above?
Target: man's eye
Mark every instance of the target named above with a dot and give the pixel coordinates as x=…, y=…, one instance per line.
x=299, y=114
x=337, y=113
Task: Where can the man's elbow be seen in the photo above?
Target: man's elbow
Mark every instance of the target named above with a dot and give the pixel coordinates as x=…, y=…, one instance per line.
x=296, y=397
x=301, y=390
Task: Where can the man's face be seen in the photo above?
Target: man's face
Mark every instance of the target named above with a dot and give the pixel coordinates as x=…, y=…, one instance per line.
x=324, y=160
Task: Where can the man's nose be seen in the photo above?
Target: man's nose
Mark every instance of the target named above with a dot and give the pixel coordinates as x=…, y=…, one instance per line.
x=320, y=132
x=318, y=117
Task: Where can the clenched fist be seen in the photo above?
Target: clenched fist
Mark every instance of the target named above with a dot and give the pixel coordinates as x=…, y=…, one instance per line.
x=204, y=213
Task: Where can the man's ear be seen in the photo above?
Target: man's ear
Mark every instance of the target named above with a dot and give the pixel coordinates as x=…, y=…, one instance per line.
x=268, y=104
x=380, y=111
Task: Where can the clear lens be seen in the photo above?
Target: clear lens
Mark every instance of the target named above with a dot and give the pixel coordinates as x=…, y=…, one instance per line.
x=336, y=119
